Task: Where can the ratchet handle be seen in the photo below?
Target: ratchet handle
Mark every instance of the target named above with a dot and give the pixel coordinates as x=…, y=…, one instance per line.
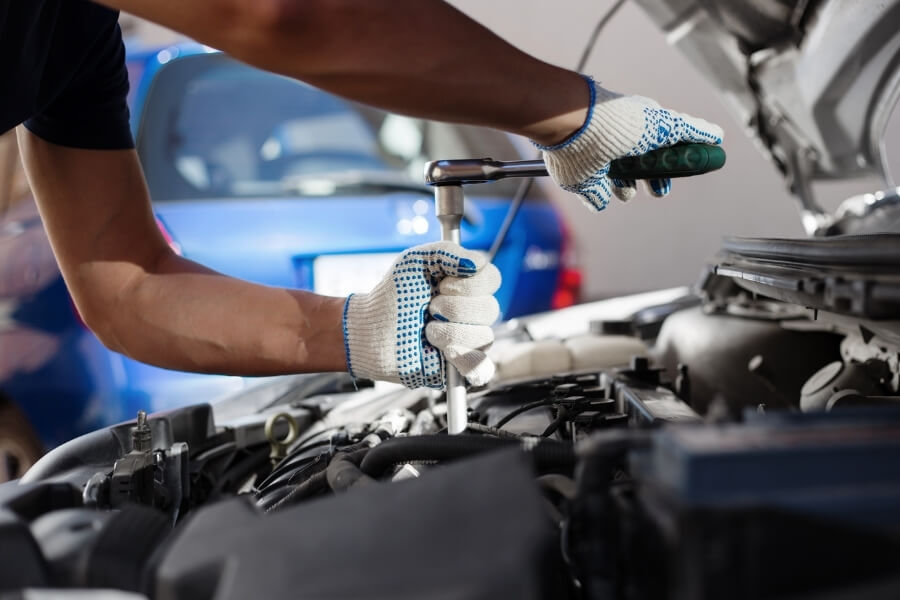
x=682, y=160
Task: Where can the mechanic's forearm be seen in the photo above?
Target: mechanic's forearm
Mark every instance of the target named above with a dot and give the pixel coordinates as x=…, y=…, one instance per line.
x=419, y=57
x=181, y=315
x=142, y=299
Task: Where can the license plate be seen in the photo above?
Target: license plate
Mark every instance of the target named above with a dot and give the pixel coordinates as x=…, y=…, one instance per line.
x=344, y=274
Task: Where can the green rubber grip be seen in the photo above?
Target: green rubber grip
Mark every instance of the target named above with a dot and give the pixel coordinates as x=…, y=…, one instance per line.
x=682, y=160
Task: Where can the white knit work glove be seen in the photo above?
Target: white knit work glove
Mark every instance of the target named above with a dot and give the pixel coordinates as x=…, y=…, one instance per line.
x=435, y=302
x=618, y=126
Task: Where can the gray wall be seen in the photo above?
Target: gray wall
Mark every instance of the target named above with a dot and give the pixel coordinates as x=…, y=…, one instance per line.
x=651, y=243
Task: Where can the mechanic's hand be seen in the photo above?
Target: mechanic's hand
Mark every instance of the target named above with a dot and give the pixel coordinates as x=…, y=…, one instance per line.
x=619, y=126
x=437, y=301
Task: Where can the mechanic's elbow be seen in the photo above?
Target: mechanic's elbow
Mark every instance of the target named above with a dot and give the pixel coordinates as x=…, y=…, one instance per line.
x=102, y=324
x=269, y=16
x=262, y=30
x=256, y=25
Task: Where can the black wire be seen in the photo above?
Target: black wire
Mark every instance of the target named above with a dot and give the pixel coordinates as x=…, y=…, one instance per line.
x=601, y=24
x=511, y=213
x=312, y=486
x=484, y=429
x=299, y=444
x=276, y=489
x=561, y=417
x=283, y=473
x=524, y=408
x=299, y=455
x=252, y=463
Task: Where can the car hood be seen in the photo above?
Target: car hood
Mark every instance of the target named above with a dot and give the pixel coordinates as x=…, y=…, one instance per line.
x=815, y=81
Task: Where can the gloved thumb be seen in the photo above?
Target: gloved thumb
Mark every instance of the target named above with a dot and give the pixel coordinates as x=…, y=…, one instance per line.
x=453, y=260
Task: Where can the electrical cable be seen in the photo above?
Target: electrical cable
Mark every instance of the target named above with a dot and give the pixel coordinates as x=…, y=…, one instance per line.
x=561, y=416
x=479, y=428
x=241, y=471
x=522, y=409
x=547, y=455
x=595, y=35
x=285, y=473
x=343, y=471
x=312, y=486
x=525, y=184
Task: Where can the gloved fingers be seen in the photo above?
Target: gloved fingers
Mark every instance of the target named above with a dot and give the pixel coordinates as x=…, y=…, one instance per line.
x=697, y=130
x=664, y=128
x=442, y=334
x=440, y=259
x=624, y=189
x=659, y=187
x=483, y=283
x=474, y=365
x=471, y=310
x=595, y=191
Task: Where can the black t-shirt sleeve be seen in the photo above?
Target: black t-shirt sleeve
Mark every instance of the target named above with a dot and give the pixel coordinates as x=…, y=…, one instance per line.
x=91, y=111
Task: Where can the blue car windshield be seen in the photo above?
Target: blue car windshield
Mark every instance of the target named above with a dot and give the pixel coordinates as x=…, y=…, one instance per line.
x=215, y=128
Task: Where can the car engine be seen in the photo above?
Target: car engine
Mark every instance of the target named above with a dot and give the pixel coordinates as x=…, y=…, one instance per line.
x=738, y=441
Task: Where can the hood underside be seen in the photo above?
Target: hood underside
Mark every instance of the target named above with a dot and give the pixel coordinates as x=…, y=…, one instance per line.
x=816, y=81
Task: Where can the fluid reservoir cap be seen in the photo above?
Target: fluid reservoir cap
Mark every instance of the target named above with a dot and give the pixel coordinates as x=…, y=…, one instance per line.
x=612, y=327
x=822, y=378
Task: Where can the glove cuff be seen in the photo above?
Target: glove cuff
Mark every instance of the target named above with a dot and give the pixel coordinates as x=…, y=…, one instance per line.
x=587, y=153
x=365, y=351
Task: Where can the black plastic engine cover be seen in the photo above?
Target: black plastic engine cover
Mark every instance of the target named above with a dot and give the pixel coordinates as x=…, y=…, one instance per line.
x=718, y=348
x=476, y=529
x=21, y=562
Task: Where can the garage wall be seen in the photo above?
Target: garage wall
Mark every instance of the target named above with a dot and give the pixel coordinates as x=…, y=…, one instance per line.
x=649, y=242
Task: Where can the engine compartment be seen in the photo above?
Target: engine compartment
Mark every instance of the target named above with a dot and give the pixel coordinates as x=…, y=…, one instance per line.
x=750, y=448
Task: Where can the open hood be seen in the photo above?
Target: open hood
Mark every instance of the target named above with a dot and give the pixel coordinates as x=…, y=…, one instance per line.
x=815, y=81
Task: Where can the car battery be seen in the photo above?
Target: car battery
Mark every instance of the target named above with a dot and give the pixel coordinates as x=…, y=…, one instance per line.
x=777, y=507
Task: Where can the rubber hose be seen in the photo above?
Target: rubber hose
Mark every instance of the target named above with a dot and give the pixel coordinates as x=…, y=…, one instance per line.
x=242, y=471
x=288, y=469
x=272, y=497
x=287, y=477
x=310, y=487
x=343, y=471
x=123, y=547
x=548, y=455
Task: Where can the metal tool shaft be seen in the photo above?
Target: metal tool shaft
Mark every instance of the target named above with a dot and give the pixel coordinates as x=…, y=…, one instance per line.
x=448, y=177
x=480, y=170
x=449, y=203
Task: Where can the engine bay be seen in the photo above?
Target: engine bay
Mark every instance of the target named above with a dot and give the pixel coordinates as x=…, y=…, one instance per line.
x=728, y=443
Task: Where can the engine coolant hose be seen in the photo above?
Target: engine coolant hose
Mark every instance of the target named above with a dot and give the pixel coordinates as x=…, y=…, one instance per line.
x=548, y=455
x=343, y=471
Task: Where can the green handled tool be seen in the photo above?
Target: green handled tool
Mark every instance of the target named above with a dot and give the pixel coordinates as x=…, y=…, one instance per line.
x=682, y=160
x=449, y=176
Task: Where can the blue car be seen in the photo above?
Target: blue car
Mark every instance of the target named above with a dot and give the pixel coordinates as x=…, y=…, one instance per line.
x=263, y=178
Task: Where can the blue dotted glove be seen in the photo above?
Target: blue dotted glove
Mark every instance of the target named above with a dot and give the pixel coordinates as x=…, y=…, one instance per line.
x=435, y=303
x=618, y=126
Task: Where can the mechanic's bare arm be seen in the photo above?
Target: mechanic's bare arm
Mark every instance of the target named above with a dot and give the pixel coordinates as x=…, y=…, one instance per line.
x=419, y=57
x=145, y=301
